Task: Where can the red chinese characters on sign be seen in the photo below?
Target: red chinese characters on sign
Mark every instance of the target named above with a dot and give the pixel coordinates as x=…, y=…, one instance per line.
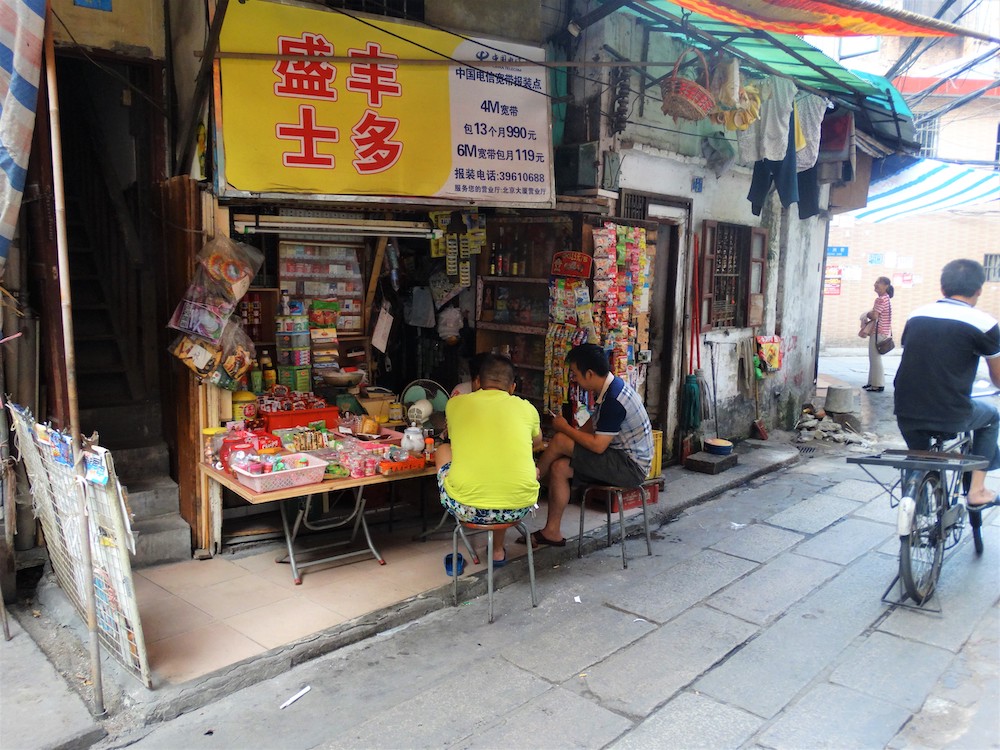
x=375, y=80
x=305, y=79
x=372, y=144
x=374, y=149
x=572, y=263
x=308, y=134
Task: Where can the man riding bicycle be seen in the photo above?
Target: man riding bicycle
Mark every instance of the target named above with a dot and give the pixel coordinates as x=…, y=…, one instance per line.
x=942, y=343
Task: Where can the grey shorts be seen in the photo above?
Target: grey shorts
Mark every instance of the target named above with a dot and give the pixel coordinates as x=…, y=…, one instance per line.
x=613, y=467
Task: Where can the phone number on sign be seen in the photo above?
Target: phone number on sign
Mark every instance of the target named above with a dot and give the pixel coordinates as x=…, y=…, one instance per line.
x=521, y=176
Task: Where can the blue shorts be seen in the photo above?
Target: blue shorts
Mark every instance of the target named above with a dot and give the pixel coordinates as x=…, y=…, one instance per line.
x=469, y=514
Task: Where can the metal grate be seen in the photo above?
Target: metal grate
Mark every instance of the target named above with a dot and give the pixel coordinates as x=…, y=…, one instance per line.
x=633, y=205
x=412, y=10
x=56, y=504
x=806, y=450
x=729, y=252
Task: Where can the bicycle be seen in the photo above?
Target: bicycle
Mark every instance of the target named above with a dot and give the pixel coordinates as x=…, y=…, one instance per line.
x=930, y=516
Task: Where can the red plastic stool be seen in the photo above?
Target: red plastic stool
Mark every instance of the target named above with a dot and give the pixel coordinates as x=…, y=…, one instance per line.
x=611, y=491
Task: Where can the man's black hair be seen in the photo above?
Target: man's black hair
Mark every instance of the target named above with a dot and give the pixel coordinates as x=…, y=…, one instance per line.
x=962, y=278
x=589, y=357
x=496, y=370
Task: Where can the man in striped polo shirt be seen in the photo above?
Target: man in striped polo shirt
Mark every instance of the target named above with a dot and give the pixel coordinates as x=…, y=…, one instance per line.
x=614, y=447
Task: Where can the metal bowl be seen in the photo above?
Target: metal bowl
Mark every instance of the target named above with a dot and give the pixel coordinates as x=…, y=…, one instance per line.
x=343, y=378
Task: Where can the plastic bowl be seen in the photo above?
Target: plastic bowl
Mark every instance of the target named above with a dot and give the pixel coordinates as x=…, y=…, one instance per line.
x=718, y=446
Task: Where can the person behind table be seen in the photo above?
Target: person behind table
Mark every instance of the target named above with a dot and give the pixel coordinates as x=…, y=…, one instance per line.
x=487, y=472
x=881, y=313
x=614, y=447
x=465, y=387
x=942, y=343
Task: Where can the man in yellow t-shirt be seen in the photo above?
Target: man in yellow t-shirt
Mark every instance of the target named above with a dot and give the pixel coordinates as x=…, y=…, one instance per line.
x=487, y=474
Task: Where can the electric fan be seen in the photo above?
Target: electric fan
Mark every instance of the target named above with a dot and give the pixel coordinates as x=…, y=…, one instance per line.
x=424, y=403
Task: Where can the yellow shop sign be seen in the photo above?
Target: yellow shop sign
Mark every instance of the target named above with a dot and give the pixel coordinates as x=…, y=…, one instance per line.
x=381, y=124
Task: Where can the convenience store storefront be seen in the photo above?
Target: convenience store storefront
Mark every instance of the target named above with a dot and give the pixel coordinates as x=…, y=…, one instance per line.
x=368, y=151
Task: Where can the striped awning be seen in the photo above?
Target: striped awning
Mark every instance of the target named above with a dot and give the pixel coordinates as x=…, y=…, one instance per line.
x=927, y=186
x=827, y=18
x=22, y=28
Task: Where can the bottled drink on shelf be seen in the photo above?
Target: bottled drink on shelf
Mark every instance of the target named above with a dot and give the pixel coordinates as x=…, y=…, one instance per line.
x=501, y=263
x=515, y=262
x=270, y=374
x=493, y=260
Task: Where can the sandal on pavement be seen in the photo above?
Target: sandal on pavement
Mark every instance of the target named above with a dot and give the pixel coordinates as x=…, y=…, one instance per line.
x=500, y=563
x=539, y=540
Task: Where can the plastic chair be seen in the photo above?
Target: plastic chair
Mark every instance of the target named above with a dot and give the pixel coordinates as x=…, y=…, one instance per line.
x=460, y=527
x=619, y=493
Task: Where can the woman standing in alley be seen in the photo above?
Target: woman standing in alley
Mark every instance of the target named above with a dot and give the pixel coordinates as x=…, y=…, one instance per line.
x=881, y=315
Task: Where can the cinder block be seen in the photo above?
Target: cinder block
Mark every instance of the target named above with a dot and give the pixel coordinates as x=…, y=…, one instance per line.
x=710, y=463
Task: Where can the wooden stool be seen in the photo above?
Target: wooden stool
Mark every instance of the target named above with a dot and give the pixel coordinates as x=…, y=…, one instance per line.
x=619, y=493
x=460, y=527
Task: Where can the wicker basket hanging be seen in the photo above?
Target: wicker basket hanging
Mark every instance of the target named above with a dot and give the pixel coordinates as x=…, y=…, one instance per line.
x=683, y=97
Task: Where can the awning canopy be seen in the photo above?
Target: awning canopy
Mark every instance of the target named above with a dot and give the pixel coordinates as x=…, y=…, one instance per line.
x=782, y=54
x=924, y=186
x=873, y=99
x=825, y=18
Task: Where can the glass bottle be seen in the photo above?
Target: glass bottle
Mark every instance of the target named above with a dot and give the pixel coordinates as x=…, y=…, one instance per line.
x=270, y=375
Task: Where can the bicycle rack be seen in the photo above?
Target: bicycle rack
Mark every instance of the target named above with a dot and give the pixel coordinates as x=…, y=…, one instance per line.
x=907, y=460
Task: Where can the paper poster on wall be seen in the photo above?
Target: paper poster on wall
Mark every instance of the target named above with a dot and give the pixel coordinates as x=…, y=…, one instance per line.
x=874, y=259
x=889, y=260
x=851, y=273
x=902, y=280
x=904, y=261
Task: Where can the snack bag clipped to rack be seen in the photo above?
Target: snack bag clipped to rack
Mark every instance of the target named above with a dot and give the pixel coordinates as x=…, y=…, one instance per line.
x=222, y=276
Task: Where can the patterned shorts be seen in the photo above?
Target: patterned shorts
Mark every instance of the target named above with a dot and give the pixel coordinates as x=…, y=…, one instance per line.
x=477, y=515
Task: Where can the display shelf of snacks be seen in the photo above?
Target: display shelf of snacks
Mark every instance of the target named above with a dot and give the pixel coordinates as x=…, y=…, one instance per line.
x=331, y=272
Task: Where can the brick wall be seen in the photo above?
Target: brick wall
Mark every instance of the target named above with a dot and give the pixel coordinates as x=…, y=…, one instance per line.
x=918, y=246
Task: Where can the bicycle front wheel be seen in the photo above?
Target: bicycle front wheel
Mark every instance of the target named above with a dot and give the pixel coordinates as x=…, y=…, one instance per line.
x=921, y=551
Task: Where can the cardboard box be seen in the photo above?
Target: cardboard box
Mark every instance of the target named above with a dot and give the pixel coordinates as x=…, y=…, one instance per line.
x=296, y=378
x=631, y=498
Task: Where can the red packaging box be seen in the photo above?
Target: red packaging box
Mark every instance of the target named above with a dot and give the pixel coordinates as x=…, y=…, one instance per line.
x=631, y=498
x=276, y=420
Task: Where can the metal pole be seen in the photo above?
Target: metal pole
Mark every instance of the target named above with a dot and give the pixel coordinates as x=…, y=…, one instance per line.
x=65, y=301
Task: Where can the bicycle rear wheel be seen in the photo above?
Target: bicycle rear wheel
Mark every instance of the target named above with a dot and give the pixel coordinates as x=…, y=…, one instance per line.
x=921, y=551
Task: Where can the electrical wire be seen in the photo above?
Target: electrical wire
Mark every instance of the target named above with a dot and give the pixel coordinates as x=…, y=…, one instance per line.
x=113, y=73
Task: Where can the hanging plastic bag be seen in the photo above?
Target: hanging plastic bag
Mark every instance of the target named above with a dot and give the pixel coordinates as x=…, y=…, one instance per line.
x=238, y=354
x=222, y=276
x=725, y=85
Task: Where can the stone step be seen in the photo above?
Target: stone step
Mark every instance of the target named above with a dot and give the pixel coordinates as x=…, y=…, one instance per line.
x=124, y=426
x=153, y=495
x=141, y=462
x=161, y=539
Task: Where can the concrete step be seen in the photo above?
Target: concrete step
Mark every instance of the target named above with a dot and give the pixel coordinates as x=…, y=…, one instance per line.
x=161, y=539
x=153, y=495
x=141, y=462
x=124, y=426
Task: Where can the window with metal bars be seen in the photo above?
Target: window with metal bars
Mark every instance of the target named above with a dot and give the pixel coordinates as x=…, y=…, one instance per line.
x=409, y=9
x=927, y=134
x=991, y=263
x=732, y=272
x=633, y=205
